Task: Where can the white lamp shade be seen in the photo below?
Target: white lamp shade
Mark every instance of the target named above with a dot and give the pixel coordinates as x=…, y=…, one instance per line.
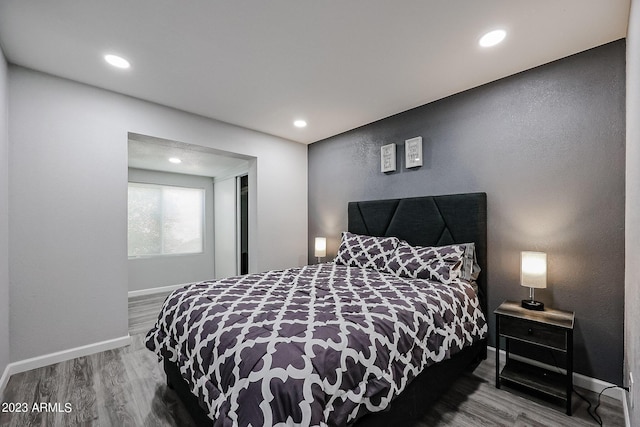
x=321, y=247
x=533, y=269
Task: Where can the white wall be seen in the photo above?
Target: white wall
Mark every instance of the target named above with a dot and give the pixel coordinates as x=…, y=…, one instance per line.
x=632, y=212
x=68, y=212
x=156, y=272
x=225, y=201
x=4, y=223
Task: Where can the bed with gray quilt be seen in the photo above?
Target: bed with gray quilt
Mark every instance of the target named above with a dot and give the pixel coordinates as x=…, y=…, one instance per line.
x=326, y=344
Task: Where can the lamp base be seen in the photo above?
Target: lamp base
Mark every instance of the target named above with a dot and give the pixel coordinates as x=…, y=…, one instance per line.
x=532, y=305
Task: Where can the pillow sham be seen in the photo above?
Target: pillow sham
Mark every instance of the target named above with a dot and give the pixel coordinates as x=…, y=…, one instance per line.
x=357, y=250
x=445, y=264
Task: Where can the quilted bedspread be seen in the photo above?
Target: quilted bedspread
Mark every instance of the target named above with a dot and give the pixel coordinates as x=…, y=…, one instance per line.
x=312, y=346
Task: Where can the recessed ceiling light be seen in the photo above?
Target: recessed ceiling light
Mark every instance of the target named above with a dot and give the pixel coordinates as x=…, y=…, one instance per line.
x=117, y=61
x=175, y=160
x=492, y=38
x=300, y=123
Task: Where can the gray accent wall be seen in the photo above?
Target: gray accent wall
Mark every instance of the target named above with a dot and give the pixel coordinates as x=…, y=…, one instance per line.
x=632, y=226
x=155, y=272
x=548, y=147
x=4, y=221
x=68, y=210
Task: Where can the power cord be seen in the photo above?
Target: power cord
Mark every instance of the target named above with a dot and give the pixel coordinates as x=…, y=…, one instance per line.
x=593, y=413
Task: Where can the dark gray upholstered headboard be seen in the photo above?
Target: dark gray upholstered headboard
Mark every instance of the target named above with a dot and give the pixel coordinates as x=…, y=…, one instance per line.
x=428, y=221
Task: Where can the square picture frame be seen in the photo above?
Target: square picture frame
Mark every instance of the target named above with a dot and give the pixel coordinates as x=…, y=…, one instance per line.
x=413, y=152
x=388, y=158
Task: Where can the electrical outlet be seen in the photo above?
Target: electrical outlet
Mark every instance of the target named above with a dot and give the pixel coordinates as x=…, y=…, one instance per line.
x=631, y=389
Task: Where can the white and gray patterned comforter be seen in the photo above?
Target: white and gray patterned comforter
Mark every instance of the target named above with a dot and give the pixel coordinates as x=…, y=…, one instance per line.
x=312, y=346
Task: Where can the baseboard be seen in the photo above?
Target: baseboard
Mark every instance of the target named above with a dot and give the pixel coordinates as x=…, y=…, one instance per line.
x=152, y=291
x=4, y=380
x=592, y=384
x=61, y=356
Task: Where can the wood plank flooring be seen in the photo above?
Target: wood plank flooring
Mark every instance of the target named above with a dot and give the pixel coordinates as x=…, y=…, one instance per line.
x=126, y=387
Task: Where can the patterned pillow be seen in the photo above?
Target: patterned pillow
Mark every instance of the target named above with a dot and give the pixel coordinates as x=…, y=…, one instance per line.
x=445, y=264
x=357, y=250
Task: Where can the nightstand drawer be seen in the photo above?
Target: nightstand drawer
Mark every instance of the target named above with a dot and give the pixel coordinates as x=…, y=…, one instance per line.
x=537, y=333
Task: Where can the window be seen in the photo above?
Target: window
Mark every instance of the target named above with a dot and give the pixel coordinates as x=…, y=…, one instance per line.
x=165, y=220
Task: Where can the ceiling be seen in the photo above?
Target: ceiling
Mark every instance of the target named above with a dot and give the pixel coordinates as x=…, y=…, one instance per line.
x=263, y=64
x=154, y=153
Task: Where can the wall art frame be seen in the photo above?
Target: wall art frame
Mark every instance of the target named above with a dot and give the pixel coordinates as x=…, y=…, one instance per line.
x=413, y=152
x=388, y=158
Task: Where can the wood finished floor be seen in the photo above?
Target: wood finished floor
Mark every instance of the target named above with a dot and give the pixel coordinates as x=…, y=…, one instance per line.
x=126, y=387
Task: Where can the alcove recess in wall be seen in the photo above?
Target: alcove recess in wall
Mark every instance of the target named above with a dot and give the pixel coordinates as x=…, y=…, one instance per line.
x=149, y=158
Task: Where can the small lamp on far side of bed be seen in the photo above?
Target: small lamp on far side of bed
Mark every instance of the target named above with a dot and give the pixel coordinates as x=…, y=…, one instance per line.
x=320, y=248
x=533, y=274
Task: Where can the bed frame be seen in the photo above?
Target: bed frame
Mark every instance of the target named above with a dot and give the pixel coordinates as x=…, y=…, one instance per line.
x=428, y=221
x=424, y=221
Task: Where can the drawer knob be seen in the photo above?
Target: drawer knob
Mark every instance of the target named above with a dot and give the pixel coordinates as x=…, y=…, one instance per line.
x=530, y=331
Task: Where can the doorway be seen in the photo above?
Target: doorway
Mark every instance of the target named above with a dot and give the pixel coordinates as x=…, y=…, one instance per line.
x=226, y=242
x=243, y=222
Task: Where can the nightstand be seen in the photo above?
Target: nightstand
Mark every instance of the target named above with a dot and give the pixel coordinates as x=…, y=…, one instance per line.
x=552, y=329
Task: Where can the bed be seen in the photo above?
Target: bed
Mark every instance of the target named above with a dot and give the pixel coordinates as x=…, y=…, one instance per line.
x=358, y=341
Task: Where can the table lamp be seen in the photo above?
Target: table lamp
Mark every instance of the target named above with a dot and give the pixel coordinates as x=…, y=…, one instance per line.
x=533, y=274
x=320, y=248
